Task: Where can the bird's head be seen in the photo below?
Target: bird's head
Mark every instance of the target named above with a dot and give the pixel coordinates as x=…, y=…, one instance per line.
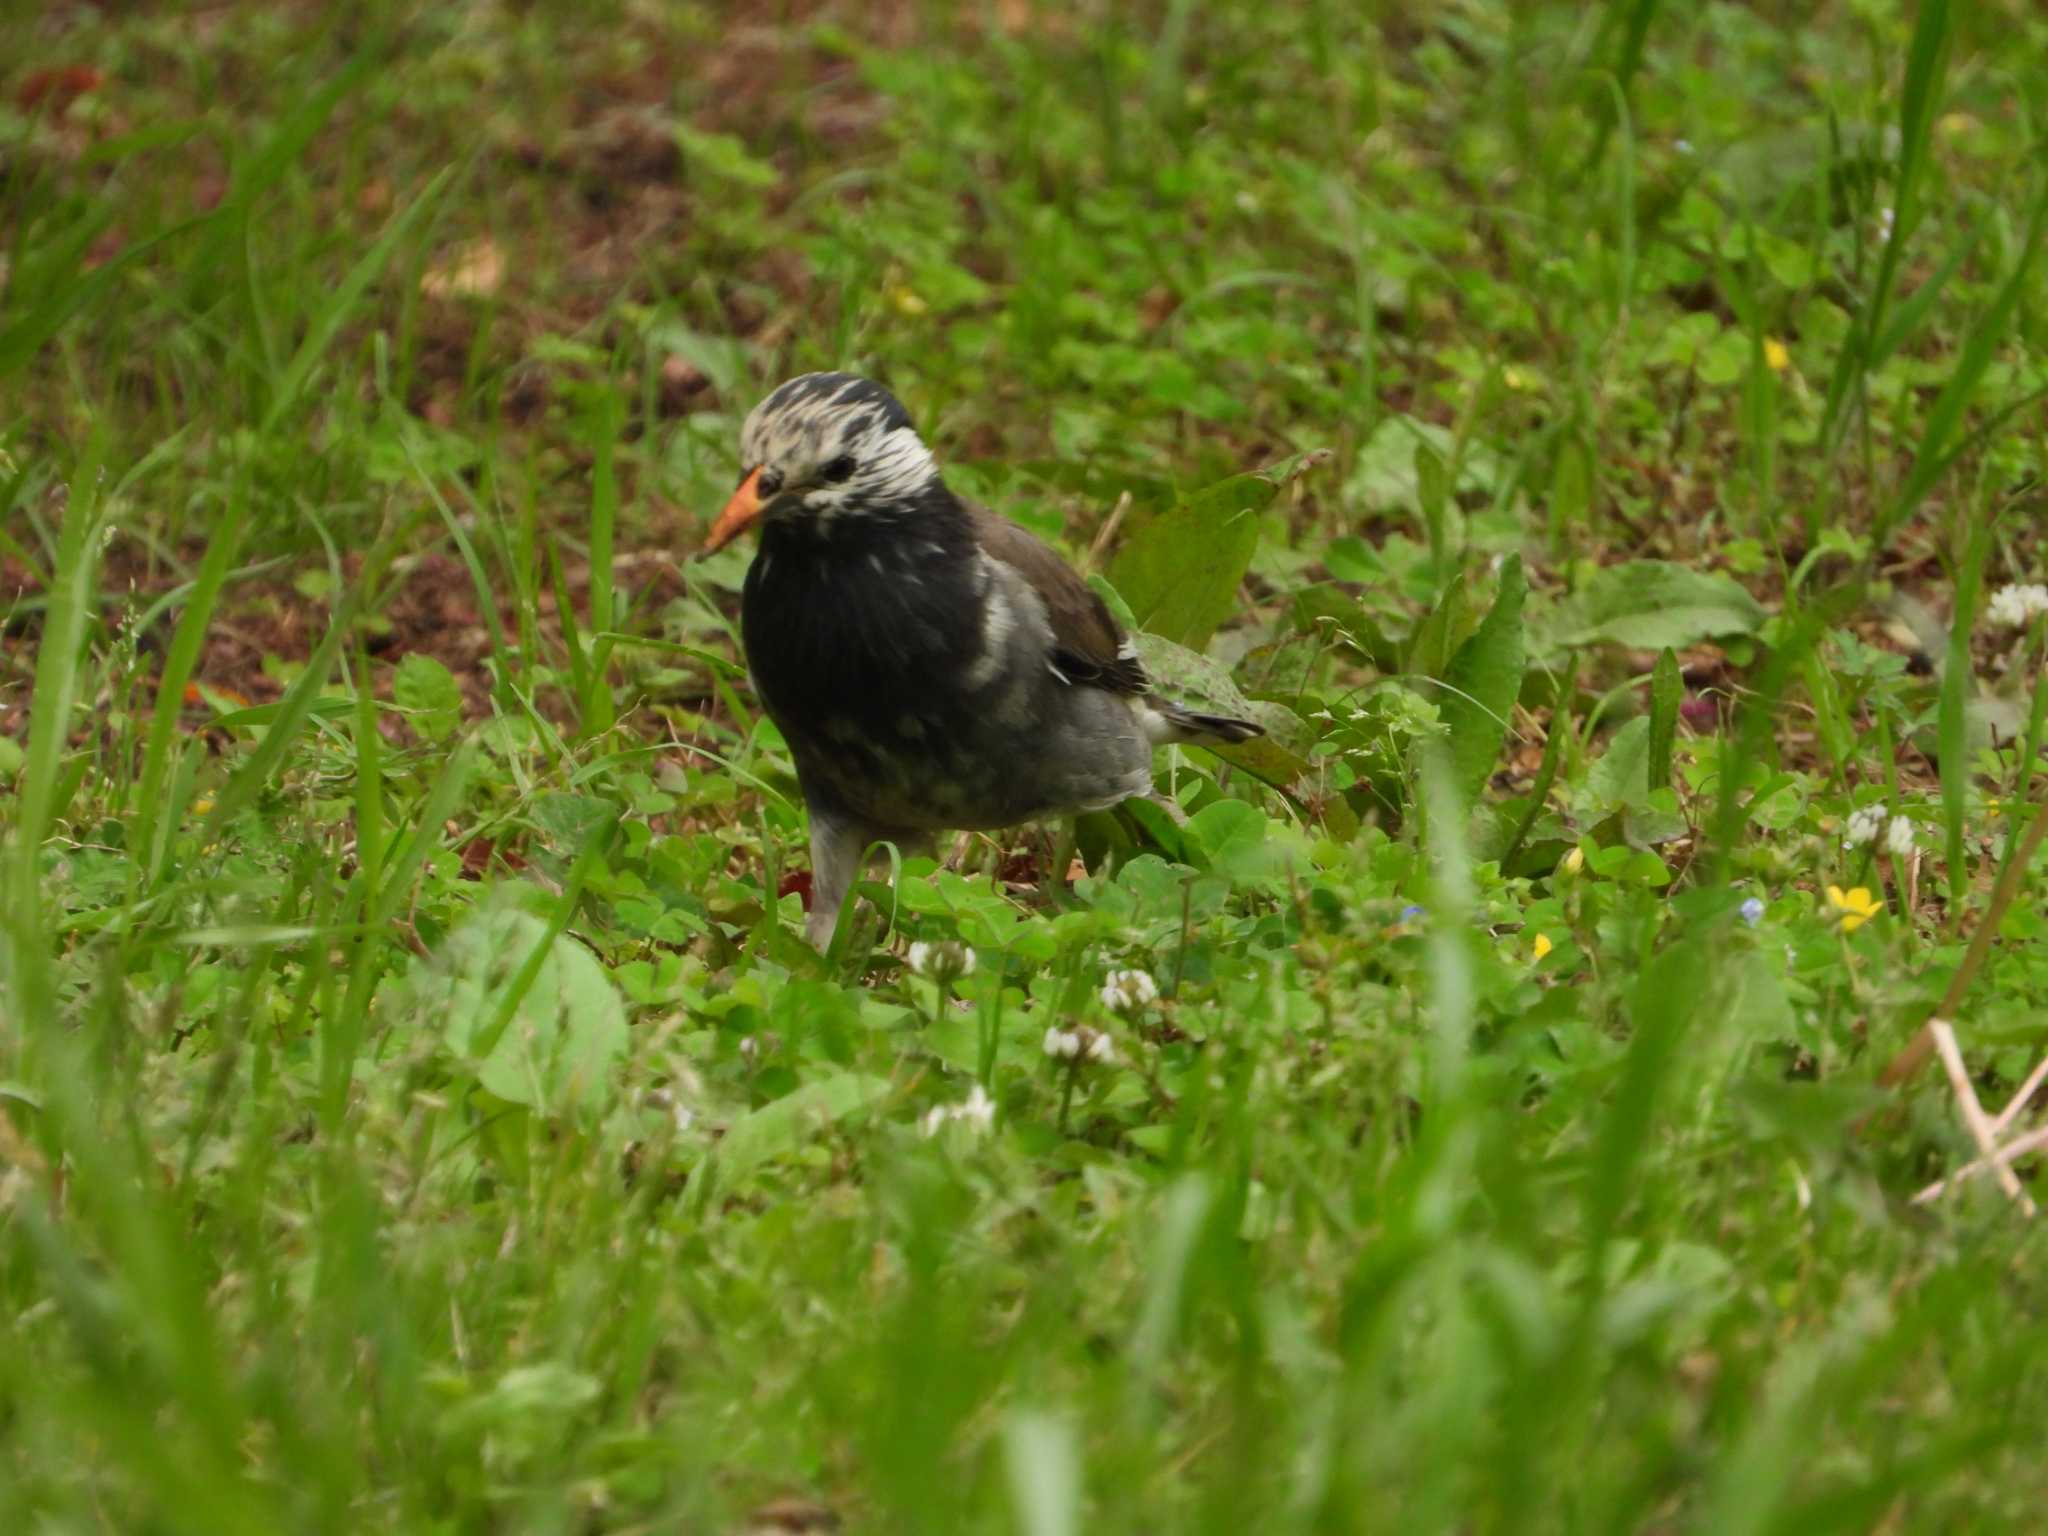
x=821, y=447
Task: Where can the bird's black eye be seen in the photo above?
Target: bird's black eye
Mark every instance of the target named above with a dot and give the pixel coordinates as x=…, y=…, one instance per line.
x=839, y=469
x=768, y=484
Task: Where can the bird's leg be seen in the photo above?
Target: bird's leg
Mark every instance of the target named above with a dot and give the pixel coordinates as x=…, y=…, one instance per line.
x=836, y=850
x=835, y=858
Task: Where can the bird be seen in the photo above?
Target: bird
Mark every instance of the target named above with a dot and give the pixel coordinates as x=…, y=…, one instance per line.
x=931, y=664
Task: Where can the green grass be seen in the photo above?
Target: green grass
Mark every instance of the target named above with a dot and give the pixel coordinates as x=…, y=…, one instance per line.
x=418, y=1111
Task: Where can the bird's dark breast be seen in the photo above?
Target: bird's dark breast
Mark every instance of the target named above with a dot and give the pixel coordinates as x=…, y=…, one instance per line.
x=857, y=646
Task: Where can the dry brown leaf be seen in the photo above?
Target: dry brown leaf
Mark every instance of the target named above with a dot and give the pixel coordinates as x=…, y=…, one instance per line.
x=471, y=271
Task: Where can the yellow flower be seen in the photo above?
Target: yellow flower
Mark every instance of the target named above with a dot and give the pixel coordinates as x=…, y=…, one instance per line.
x=1574, y=861
x=1776, y=357
x=908, y=300
x=1541, y=946
x=1515, y=378
x=1852, y=908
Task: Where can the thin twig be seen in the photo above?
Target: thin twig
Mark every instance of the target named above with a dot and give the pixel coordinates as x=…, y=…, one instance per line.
x=1105, y=533
x=2011, y=1112
x=1973, y=1113
x=2008, y=1154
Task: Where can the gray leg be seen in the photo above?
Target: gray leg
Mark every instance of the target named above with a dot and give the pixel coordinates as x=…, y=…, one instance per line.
x=835, y=859
x=836, y=847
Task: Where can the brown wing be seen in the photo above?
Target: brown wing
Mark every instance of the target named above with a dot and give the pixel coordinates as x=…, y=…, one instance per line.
x=1087, y=645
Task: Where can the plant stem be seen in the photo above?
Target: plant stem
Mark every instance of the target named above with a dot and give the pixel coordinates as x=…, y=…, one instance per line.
x=1904, y=1066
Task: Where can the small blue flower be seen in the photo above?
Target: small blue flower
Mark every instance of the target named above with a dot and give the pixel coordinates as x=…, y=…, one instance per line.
x=1753, y=911
x=1408, y=913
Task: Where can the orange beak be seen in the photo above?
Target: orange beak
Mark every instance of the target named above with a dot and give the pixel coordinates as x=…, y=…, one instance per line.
x=740, y=514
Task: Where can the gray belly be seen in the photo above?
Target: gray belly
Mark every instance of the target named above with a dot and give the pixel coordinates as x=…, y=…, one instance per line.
x=1072, y=749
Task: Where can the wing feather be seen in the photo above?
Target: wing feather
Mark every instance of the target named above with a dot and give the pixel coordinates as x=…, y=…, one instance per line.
x=1089, y=649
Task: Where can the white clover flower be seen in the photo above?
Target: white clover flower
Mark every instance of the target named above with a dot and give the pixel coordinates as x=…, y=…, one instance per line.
x=1078, y=1044
x=1866, y=825
x=680, y=1114
x=1898, y=837
x=977, y=1111
x=942, y=961
x=1886, y=218
x=1129, y=991
x=2014, y=605
x=1753, y=911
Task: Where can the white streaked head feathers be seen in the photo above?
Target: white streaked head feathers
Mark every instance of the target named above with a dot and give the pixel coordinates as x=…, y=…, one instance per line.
x=829, y=443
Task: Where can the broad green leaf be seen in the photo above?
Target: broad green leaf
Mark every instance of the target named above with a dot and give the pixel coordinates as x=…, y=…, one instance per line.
x=1383, y=476
x=1240, y=842
x=565, y=1039
x=1482, y=682
x=1650, y=604
x=785, y=1124
x=1438, y=636
x=1120, y=610
x=1621, y=776
x=1229, y=833
x=1180, y=571
x=429, y=694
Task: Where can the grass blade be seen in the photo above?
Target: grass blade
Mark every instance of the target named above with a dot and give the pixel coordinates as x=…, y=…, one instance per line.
x=1667, y=689
x=1992, y=330
x=43, y=779
x=1958, y=686
x=327, y=322
x=596, y=702
x=181, y=660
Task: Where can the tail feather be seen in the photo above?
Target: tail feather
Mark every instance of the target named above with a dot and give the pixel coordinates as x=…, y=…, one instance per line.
x=1177, y=724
